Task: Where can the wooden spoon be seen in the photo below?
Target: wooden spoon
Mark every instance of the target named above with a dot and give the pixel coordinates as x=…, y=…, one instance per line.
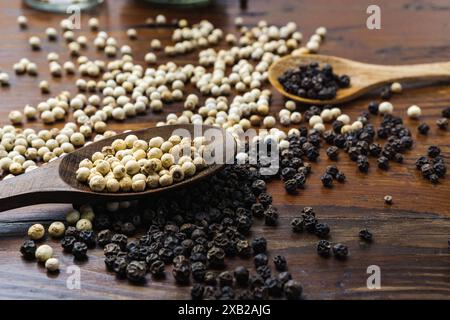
x=363, y=76
x=56, y=182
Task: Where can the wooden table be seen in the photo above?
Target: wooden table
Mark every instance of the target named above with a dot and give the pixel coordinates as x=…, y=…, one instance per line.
x=410, y=243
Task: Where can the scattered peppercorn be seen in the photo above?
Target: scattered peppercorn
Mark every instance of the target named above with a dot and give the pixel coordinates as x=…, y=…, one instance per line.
x=365, y=235
x=280, y=263
x=324, y=248
x=327, y=180
x=136, y=271
x=79, y=250
x=292, y=290
x=67, y=243
x=388, y=199
x=442, y=123
x=423, y=128
x=260, y=260
x=28, y=250
x=340, y=251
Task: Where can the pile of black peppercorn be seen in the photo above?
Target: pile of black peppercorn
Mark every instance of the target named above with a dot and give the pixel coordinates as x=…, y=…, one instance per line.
x=433, y=165
x=195, y=233
x=312, y=82
x=307, y=221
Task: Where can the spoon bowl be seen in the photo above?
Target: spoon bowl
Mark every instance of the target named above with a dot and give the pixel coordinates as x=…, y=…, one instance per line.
x=364, y=77
x=56, y=182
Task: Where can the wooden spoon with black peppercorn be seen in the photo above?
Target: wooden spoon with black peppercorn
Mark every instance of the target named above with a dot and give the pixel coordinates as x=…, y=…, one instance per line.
x=364, y=77
x=56, y=182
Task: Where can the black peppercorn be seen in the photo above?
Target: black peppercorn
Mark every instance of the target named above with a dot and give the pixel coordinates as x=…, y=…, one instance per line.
x=258, y=210
x=265, y=199
x=322, y=230
x=259, y=245
x=340, y=251
x=264, y=271
x=433, y=151
x=181, y=272
x=446, y=112
x=197, y=291
x=324, y=248
x=157, y=268
x=292, y=290
x=136, y=271
x=442, y=123
x=260, y=293
x=423, y=128
x=310, y=223
x=111, y=249
x=210, y=278
x=216, y=257
x=225, y=279
x=120, y=266
x=327, y=180
x=271, y=216
x=333, y=152
x=385, y=93
x=88, y=237
x=120, y=239
x=365, y=235
x=332, y=170
x=340, y=177
x=79, y=250
x=241, y=274
x=260, y=259
x=104, y=237
x=291, y=186
x=67, y=243
x=28, y=250
x=383, y=163
x=363, y=163
x=71, y=232
x=280, y=263
x=274, y=286
x=198, y=271
x=440, y=169
x=258, y=186
x=297, y=224
x=284, y=277
x=109, y=262
x=373, y=107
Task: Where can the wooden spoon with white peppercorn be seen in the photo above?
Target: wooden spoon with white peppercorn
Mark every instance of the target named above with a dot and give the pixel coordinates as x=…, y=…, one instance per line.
x=56, y=181
x=364, y=77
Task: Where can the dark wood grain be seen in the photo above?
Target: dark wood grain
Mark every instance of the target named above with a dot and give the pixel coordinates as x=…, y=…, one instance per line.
x=410, y=243
x=56, y=182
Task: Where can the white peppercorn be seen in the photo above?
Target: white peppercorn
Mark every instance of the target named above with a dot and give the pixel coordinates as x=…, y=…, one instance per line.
x=385, y=107
x=83, y=224
x=52, y=265
x=43, y=253
x=36, y=231
x=414, y=112
x=56, y=229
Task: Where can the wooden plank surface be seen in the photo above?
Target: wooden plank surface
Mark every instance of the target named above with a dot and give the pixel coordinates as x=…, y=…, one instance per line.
x=411, y=236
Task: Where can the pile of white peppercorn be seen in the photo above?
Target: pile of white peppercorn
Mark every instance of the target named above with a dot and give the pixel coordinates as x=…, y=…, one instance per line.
x=132, y=164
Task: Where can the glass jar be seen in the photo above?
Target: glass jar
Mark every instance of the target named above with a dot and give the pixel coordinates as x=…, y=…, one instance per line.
x=62, y=5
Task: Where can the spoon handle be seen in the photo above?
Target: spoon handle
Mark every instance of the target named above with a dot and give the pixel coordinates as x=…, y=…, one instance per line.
x=42, y=185
x=427, y=71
